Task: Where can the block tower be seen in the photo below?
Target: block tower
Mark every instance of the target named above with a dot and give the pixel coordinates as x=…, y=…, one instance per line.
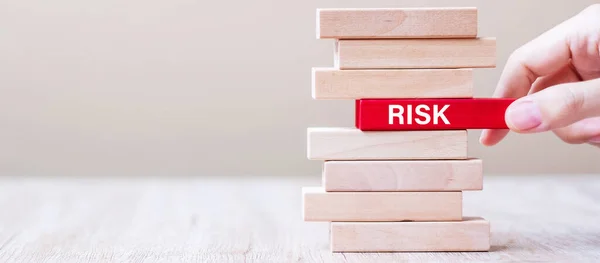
x=394, y=182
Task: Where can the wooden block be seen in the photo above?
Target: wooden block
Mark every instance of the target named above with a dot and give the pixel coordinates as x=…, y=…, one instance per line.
x=415, y=53
x=409, y=175
x=319, y=205
x=431, y=114
x=469, y=234
x=331, y=83
x=354, y=144
x=451, y=22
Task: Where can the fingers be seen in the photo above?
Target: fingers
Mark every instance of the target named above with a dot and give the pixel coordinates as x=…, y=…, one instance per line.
x=585, y=45
x=492, y=137
x=584, y=131
x=565, y=75
x=543, y=56
x=545, y=62
x=528, y=63
x=555, y=107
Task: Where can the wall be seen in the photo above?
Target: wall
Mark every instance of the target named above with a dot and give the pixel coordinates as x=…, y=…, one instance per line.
x=209, y=87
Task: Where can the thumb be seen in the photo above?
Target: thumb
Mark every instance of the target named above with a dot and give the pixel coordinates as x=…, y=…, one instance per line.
x=554, y=107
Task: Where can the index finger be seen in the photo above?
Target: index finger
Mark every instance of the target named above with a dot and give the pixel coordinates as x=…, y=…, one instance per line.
x=542, y=56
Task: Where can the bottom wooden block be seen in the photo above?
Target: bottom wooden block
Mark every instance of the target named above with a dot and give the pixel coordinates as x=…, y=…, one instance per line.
x=470, y=234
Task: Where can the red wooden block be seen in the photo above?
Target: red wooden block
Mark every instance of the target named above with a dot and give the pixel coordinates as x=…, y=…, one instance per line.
x=431, y=114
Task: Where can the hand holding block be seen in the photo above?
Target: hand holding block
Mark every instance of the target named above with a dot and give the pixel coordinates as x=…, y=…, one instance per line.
x=354, y=144
x=406, y=175
x=431, y=114
x=415, y=53
x=451, y=22
x=331, y=83
x=380, y=206
x=469, y=234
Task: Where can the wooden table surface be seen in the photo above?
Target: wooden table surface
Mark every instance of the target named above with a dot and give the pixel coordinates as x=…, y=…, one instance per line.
x=548, y=218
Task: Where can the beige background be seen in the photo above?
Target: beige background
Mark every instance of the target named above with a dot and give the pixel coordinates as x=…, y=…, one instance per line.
x=209, y=87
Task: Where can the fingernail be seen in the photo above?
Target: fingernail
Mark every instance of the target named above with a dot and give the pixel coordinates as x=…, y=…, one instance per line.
x=524, y=115
x=595, y=139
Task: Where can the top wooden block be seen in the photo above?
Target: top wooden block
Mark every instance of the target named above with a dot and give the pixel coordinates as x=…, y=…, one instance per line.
x=450, y=22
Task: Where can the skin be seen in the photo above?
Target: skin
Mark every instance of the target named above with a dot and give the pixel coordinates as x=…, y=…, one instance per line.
x=556, y=81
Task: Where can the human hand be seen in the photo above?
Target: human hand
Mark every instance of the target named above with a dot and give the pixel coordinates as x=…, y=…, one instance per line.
x=556, y=81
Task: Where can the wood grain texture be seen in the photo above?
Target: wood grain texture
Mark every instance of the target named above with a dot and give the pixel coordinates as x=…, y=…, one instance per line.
x=451, y=22
x=380, y=206
x=406, y=175
x=258, y=218
x=332, y=83
x=469, y=234
x=415, y=53
x=354, y=144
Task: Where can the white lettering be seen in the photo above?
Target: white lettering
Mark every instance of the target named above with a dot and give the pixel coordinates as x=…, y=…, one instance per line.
x=440, y=114
x=422, y=114
x=409, y=115
x=392, y=114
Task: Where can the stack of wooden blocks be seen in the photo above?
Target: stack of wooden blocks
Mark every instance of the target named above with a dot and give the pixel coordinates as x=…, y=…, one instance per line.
x=395, y=182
